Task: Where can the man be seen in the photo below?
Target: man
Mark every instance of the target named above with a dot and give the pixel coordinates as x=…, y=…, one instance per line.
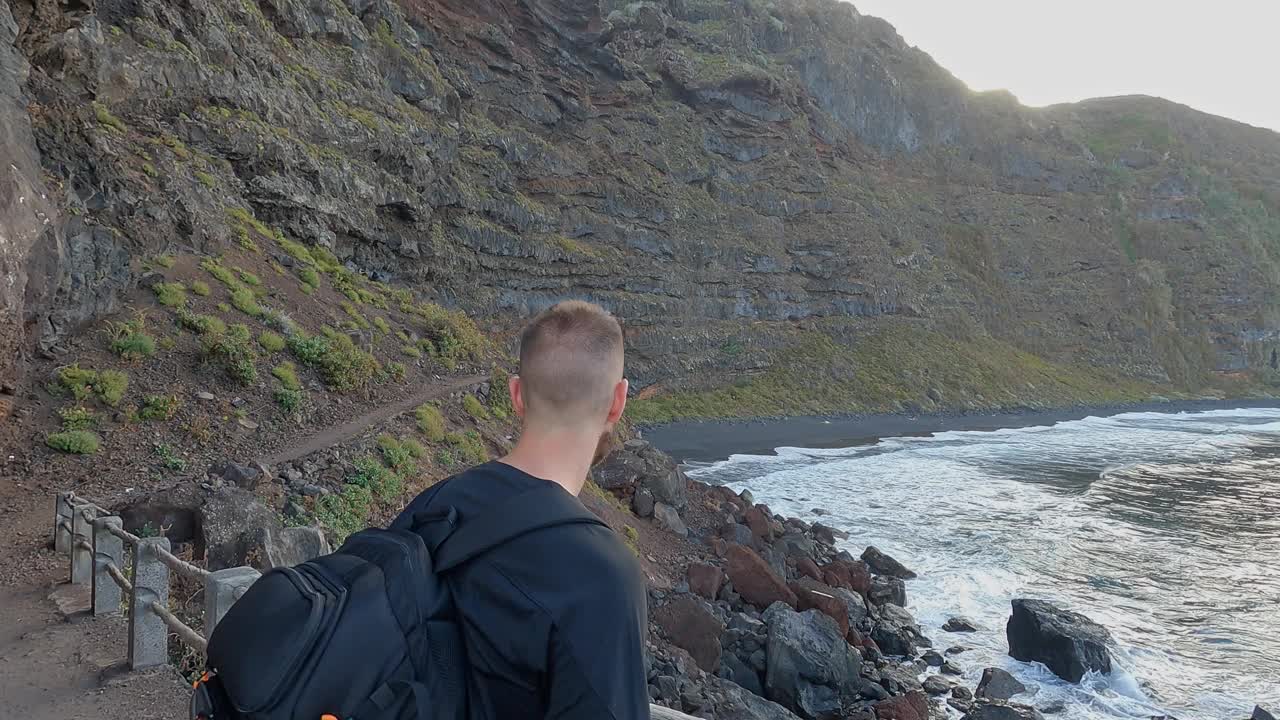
x=554, y=621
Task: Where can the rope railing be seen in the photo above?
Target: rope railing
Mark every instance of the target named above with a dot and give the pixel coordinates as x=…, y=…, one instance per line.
x=97, y=540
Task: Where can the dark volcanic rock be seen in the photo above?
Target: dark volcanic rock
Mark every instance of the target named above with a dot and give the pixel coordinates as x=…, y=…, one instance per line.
x=755, y=580
x=642, y=502
x=231, y=522
x=959, y=625
x=668, y=518
x=241, y=476
x=937, y=685
x=896, y=632
x=887, y=590
x=883, y=564
x=689, y=625
x=811, y=668
x=1068, y=643
x=997, y=684
x=1260, y=714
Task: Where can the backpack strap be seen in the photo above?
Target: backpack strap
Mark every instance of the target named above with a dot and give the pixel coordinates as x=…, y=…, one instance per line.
x=518, y=515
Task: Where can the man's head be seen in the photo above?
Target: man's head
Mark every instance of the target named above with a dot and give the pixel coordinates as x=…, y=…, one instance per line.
x=570, y=370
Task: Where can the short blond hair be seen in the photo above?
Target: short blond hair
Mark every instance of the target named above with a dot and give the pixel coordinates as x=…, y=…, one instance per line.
x=571, y=358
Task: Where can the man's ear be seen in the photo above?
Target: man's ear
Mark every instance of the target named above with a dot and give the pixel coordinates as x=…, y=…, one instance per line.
x=517, y=395
x=619, y=401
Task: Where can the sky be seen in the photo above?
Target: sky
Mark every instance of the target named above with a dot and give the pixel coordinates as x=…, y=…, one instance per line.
x=1221, y=57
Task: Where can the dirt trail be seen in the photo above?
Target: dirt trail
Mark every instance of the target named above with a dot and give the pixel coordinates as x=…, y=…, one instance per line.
x=341, y=433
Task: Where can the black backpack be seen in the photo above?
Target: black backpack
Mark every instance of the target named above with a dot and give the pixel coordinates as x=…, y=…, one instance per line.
x=369, y=632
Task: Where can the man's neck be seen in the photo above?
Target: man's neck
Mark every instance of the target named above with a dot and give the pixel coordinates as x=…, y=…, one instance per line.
x=561, y=456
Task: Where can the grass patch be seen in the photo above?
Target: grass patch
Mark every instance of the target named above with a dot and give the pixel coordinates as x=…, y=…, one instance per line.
x=130, y=340
x=200, y=288
x=474, y=407
x=233, y=351
x=160, y=407
x=500, y=393
x=346, y=512
x=77, y=442
x=452, y=334
x=287, y=374
x=381, y=323
x=248, y=278
x=164, y=261
x=271, y=342
x=78, y=418
x=170, y=294
x=223, y=307
x=310, y=278
x=77, y=381
x=106, y=119
x=243, y=299
x=111, y=386
x=430, y=422
x=468, y=446
x=206, y=179
x=202, y=324
x=396, y=371
x=412, y=351
x=341, y=364
x=216, y=269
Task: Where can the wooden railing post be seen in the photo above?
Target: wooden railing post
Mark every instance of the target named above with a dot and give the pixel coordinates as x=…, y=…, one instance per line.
x=107, y=550
x=81, y=532
x=221, y=590
x=148, y=635
x=61, y=515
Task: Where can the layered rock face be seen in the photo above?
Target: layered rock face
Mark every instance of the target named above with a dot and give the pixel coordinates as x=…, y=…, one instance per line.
x=735, y=178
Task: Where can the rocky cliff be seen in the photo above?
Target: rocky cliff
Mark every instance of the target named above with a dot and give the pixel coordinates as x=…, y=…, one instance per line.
x=776, y=192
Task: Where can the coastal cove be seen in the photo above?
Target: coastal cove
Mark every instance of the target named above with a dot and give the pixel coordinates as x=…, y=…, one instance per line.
x=1163, y=526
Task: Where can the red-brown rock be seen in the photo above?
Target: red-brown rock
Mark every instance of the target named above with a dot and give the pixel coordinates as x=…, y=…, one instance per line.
x=912, y=706
x=705, y=580
x=719, y=546
x=857, y=639
x=849, y=574
x=807, y=567
x=689, y=625
x=757, y=518
x=811, y=598
x=755, y=581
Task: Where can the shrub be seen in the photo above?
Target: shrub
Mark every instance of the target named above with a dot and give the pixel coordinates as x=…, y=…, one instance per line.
x=78, y=418
x=298, y=251
x=287, y=374
x=200, y=288
x=381, y=323
x=469, y=445
x=223, y=275
x=134, y=346
x=379, y=479
x=244, y=301
x=202, y=324
x=346, y=512
x=233, y=350
x=206, y=179
x=111, y=386
x=412, y=351
x=79, y=442
x=309, y=277
x=248, y=278
x=404, y=337
x=288, y=399
x=170, y=459
x=223, y=307
x=341, y=364
x=394, y=453
x=170, y=294
x=430, y=422
x=500, y=393
x=396, y=371
x=167, y=343
x=159, y=407
x=164, y=261
x=452, y=333
x=413, y=447
x=271, y=342
x=79, y=382
x=474, y=408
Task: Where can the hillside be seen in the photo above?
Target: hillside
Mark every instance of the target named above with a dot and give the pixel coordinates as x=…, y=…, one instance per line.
x=792, y=209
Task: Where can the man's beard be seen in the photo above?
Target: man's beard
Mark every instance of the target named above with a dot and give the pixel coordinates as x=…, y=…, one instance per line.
x=604, y=446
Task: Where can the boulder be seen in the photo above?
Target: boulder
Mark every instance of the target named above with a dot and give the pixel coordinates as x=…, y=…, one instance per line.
x=962, y=692
x=231, y=521
x=705, y=580
x=996, y=684
x=1002, y=711
x=1068, y=643
x=668, y=518
x=242, y=476
x=734, y=703
x=637, y=465
x=754, y=580
x=1260, y=714
x=828, y=534
x=1053, y=707
x=738, y=670
x=912, y=706
x=287, y=547
x=887, y=590
x=758, y=520
x=937, y=685
x=642, y=502
x=960, y=704
x=690, y=626
x=670, y=487
x=883, y=564
x=825, y=601
x=932, y=658
x=622, y=469
x=950, y=668
x=747, y=497
x=959, y=625
x=853, y=602
x=794, y=544
x=808, y=568
x=811, y=669
x=738, y=533
x=850, y=574
x=896, y=632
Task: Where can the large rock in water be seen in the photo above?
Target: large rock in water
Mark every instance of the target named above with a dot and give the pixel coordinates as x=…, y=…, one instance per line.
x=754, y=579
x=812, y=669
x=884, y=564
x=1068, y=643
x=1002, y=711
x=997, y=684
x=1261, y=714
x=896, y=632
